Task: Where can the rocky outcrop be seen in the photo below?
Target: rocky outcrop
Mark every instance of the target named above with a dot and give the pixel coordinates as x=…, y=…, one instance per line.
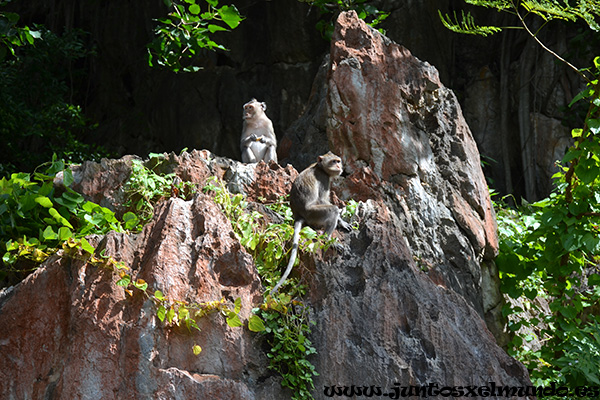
x=403, y=303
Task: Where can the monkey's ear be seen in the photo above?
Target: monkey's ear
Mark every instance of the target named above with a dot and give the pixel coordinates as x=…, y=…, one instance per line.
x=320, y=158
x=264, y=106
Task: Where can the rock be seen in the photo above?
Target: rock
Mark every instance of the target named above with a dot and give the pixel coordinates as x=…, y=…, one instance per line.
x=382, y=319
x=403, y=139
x=82, y=337
x=404, y=301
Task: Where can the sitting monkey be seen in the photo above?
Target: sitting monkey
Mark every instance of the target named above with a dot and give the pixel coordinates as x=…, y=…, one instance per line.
x=310, y=204
x=258, y=140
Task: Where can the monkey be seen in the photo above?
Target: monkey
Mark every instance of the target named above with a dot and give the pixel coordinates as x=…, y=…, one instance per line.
x=258, y=140
x=310, y=204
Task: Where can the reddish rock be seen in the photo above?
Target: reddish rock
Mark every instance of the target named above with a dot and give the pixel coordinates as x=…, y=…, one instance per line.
x=68, y=331
x=402, y=297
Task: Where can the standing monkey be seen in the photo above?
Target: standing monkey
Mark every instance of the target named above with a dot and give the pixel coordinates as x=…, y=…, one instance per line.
x=258, y=140
x=309, y=200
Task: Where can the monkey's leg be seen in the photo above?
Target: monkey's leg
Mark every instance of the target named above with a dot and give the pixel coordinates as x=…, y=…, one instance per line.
x=322, y=216
x=270, y=154
x=288, y=269
x=248, y=156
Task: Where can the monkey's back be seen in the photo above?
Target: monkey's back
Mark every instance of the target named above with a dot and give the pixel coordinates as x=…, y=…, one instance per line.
x=303, y=192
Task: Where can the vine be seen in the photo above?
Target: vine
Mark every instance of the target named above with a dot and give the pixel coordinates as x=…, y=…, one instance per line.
x=283, y=320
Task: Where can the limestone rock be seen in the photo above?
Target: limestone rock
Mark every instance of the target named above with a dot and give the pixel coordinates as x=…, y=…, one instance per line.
x=402, y=303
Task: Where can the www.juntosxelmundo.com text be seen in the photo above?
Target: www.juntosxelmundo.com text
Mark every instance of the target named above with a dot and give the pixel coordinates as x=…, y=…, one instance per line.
x=434, y=390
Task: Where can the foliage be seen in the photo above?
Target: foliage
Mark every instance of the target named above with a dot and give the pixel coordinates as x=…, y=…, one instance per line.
x=548, y=10
x=178, y=312
x=365, y=10
x=285, y=320
x=287, y=327
x=37, y=117
x=552, y=249
x=36, y=218
x=466, y=24
x=266, y=242
x=187, y=30
x=145, y=187
x=12, y=36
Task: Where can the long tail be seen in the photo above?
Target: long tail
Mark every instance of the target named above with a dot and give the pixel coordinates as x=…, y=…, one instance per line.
x=297, y=228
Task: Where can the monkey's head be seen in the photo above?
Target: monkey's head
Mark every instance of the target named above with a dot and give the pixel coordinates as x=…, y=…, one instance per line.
x=331, y=164
x=253, y=109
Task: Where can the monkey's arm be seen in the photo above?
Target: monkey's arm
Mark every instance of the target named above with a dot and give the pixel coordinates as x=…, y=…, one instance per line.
x=248, y=140
x=268, y=140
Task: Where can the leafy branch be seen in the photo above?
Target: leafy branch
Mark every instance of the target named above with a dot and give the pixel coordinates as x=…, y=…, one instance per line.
x=547, y=10
x=187, y=30
x=12, y=36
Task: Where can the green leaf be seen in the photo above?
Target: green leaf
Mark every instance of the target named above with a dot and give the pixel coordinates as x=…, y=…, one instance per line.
x=594, y=125
x=170, y=315
x=184, y=313
x=64, y=233
x=131, y=220
x=577, y=132
x=233, y=320
x=215, y=28
x=230, y=16
x=238, y=305
x=124, y=281
x=49, y=234
x=86, y=246
x=161, y=313
x=68, y=177
x=568, y=312
x=255, y=323
x=59, y=218
x=44, y=201
x=159, y=295
x=197, y=349
x=590, y=242
x=141, y=284
x=587, y=170
x=594, y=280
x=194, y=9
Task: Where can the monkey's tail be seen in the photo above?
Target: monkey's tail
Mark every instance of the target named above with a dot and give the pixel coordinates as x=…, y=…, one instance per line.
x=297, y=228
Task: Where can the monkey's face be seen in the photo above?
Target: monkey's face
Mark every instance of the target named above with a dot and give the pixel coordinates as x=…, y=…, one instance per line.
x=253, y=109
x=332, y=164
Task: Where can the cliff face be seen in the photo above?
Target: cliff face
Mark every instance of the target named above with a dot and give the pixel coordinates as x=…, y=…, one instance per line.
x=405, y=302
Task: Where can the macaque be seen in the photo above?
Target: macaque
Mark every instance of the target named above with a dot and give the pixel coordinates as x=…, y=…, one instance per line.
x=258, y=140
x=309, y=200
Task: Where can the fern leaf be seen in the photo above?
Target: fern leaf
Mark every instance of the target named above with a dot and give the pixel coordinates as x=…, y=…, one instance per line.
x=549, y=9
x=499, y=5
x=589, y=11
x=467, y=25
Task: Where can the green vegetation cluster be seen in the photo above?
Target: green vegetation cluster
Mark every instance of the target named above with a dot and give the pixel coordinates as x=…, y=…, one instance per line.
x=186, y=32
x=550, y=249
x=284, y=319
x=37, y=217
x=38, y=78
